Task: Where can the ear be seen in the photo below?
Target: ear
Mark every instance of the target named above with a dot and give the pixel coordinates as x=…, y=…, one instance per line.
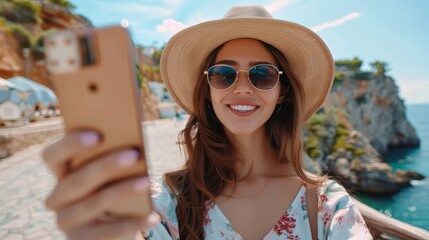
x=283, y=92
x=280, y=99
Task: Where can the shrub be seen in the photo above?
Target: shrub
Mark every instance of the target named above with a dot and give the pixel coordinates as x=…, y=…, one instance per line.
x=315, y=119
x=379, y=67
x=339, y=143
x=314, y=153
x=341, y=125
x=315, y=128
x=3, y=22
x=22, y=11
x=362, y=76
x=350, y=147
x=312, y=142
x=63, y=3
x=339, y=77
x=38, y=49
x=156, y=69
x=342, y=132
x=359, y=152
x=353, y=64
x=22, y=35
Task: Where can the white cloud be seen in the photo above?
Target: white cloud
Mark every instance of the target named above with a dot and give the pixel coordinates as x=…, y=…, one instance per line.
x=150, y=8
x=173, y=2
x=414, y=91
x=159, y=11
x=336, y=22
x=278, y=5
x=170, y=26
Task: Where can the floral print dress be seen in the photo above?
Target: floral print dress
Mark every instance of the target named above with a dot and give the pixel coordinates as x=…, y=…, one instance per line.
x=338, y=218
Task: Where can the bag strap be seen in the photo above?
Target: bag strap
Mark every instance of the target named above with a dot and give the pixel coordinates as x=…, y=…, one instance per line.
x=312, y=203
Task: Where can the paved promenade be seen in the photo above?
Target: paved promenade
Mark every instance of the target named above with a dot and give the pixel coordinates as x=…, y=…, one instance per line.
x=25, y=183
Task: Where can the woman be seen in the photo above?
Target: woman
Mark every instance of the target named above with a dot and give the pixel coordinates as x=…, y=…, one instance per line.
x=249, y=82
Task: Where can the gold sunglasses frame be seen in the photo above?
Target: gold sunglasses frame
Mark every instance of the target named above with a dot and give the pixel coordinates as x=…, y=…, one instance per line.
x=248, y=77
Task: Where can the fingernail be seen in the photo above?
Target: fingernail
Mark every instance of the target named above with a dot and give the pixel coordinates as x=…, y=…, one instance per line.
x=89, y=138
x=142, y=184
x=128, y=158
x=153, y=220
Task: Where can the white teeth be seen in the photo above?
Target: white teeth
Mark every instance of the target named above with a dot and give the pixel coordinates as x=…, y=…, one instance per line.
x=243, y=108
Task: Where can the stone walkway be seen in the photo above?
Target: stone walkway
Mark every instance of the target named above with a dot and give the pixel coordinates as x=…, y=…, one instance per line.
x=25, y=183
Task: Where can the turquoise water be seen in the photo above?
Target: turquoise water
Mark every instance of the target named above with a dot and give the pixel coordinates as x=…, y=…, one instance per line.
x=412, y=204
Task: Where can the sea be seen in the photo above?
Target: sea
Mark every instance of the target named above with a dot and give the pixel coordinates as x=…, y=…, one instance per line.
x=411, y=205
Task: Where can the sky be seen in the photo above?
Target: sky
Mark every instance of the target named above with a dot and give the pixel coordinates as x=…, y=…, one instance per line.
x=393, y=31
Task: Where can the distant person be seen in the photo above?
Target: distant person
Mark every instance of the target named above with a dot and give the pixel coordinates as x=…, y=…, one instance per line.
x=248, y=82
x=37, y=110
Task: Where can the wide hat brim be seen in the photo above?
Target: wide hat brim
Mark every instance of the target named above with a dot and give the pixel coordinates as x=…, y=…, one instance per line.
x=309, y=58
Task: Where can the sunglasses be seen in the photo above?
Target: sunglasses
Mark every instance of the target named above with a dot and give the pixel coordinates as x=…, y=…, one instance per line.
x=262, y=76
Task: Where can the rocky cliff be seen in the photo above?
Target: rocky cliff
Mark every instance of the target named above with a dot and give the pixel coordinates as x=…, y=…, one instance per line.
x=12, y=41
x=361, y=119
x=336, y=149
x=373, y=107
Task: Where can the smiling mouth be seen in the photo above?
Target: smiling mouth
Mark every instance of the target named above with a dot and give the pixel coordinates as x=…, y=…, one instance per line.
x=243, y=108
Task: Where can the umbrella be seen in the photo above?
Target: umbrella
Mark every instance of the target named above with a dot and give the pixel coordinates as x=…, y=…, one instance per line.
x=39, y=93
x=6, y=87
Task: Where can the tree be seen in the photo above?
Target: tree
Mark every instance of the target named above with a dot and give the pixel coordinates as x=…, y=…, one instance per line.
x=379, y=67
x=64, y=3
x=22, y=11
x=22, y=35
x=156, y=56
x=353, y=64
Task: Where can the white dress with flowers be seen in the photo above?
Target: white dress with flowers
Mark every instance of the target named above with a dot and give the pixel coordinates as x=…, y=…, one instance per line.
x=338, y=218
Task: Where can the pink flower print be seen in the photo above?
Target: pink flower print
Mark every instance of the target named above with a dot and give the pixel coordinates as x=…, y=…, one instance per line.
x=206, y=220
x=222, y=234
x=322, y=200
x=286, y=223
x=326, y=217
x=293, y=237
x=340, y=220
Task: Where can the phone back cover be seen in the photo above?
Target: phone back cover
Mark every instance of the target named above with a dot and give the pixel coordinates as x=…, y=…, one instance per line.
x=114, y=108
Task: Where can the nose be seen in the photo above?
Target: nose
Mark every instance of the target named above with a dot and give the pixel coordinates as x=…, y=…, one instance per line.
x=243, y=85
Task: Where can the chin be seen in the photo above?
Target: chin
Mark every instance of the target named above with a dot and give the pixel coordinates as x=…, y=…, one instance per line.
x=242, y=129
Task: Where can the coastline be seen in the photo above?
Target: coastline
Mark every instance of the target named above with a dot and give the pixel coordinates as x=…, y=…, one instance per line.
x=410, y=204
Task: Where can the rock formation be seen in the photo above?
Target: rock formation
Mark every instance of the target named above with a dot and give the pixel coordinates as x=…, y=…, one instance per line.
x=374, y=108
x=347, y=155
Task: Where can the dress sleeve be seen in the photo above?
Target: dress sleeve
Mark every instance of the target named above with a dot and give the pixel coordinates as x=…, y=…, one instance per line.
x=348, y=223
x=164, y=204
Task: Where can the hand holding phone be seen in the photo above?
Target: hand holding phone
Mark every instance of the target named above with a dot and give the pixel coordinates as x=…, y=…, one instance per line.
x=94, y=75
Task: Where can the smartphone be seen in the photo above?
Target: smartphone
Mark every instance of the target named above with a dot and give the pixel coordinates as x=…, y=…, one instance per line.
x=93, y=71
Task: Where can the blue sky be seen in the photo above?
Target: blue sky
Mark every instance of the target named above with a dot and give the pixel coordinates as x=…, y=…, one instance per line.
x=394, y=31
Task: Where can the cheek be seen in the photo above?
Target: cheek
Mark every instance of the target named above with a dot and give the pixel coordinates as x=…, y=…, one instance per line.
x=216, y=98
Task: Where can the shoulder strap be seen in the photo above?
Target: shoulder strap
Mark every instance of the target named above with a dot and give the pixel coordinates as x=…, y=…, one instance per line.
x=312, y=202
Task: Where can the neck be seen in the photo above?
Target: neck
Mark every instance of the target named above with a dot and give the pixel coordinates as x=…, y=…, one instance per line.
x=258, y=157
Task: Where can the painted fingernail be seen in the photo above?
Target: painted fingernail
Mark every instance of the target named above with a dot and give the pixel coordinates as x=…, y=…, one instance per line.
x=128, y=158
x=142, y=184
x=89, y=138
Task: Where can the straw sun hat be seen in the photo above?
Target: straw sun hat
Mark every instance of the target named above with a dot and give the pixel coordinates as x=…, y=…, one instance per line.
x=308, y=56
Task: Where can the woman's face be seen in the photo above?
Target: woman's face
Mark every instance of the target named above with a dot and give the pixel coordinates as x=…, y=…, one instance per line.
x=243, y=109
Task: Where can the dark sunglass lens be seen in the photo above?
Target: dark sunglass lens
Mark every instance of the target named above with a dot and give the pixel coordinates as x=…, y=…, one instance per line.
x=264, y=77
x=221, y=77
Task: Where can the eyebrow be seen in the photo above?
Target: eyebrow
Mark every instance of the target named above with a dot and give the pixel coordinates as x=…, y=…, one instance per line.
x=234, y=63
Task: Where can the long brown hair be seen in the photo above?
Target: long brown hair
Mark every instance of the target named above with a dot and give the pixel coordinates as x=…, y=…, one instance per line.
x=210, y=163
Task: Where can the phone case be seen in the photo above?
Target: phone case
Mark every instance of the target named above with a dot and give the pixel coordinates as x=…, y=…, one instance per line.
x=94, y=75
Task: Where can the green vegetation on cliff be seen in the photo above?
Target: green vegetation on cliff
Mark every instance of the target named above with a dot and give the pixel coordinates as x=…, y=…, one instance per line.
x=379, y=68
